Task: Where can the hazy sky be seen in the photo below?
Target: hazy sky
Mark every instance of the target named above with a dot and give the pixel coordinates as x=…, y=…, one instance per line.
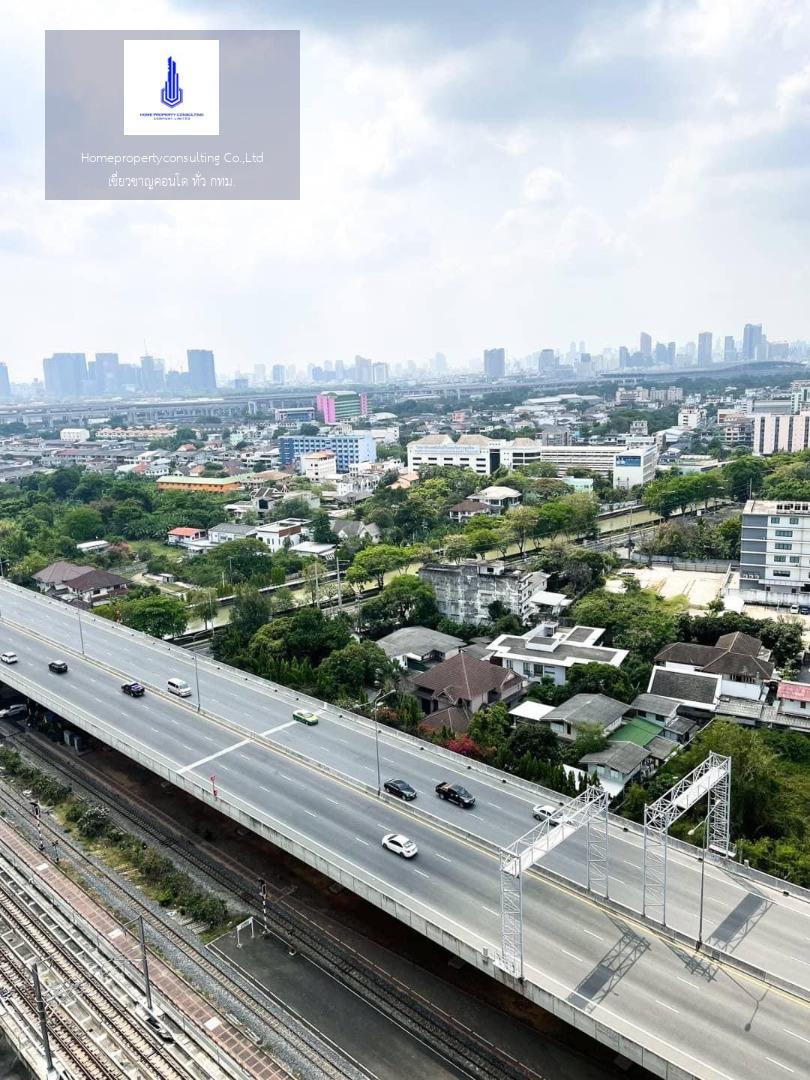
x=473, y=174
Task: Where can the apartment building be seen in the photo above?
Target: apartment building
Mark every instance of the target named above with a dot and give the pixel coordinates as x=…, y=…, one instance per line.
x=775, y=432
x=775, y=552
x=320, y=466
x=349, y=450
x=465, y=590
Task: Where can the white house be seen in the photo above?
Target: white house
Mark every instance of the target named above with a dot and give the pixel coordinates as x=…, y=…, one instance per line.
x=549, y=652
x=277, y=535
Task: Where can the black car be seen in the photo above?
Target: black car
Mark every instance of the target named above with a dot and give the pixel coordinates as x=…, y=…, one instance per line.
x=134, y=689
x=455, y=793
x=401, y=788
x=58, y=667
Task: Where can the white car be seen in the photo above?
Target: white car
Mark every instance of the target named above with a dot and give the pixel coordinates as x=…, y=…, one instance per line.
x=400, y=845
x=545, y=812
x=8, y=657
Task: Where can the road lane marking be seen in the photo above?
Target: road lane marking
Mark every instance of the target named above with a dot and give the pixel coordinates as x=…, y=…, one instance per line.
x=796, y=1035
x=278, y=727
x=491, y=910
x=665, y=1006
x=211, y=757
x=597, y=936
x=805, y=962
x=617, y=880
x=572, y=955
x=781, y=1064
x=635, y=865
x=310, y=812
x=688, y=982
x=420, y=872
x=439, y=855
x=360, y=840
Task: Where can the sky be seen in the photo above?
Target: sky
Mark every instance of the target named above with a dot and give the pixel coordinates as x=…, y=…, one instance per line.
x=472, y=175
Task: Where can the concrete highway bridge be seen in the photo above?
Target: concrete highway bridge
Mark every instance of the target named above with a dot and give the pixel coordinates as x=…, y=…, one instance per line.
x=737, y=1009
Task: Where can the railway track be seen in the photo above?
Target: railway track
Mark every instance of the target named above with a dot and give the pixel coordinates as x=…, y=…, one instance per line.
x=130, y=1036
x=327, y=1065
x=469, y=1053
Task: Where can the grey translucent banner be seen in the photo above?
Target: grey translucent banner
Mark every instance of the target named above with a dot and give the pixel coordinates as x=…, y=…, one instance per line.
x=216, y=115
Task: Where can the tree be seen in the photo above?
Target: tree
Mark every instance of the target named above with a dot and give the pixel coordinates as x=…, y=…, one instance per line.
x=349, y=671
x=321, y=528
x=639, y=620
x=490, y=727
x=377, y=561
x=83, y=524
x=538, y=740
x=204, y=604
x=249, y=613
x=160, y=616
x=521, y=524
x=456, y=547
x=744, y=476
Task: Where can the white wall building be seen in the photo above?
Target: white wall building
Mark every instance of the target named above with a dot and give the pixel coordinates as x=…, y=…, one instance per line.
x=775, y=552
x=74, y=434
x=634, y=466
x=320, y=466
x=774, y=432
x=277, y=535
x=691, y=417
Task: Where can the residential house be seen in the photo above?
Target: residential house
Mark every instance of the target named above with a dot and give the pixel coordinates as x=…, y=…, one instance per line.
x=584, y=712
x=95, y=587
x=794, y=705
x=498, y=499
x=453, y=691
x=549, y=652
x=740, y=660
x=346, y=529
x=53, y=577
x=419, y=648
x=616, y=765
x=466, y=509
x=230, y=530
x=185, y=536
x=276, y=535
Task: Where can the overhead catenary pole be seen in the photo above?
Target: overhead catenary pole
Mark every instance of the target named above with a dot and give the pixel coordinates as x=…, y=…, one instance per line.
x=147, y=986
x=197, y=680
x=81, y=632
x=43, y=1020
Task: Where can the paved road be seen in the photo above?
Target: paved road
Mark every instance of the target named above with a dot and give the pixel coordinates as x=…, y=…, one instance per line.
x=707, y=1019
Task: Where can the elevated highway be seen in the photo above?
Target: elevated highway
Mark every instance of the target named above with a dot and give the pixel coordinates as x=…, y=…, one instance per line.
x=313, y=792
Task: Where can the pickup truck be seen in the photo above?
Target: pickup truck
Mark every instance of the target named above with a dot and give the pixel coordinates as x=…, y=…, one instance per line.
x=455, y=793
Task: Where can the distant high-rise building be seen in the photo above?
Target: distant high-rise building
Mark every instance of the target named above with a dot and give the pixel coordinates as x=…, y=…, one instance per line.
x=202, y=374
x=547, y=363
x=645, y=345
x=729, y=350
x=5, y=385
x=363, y=368
x=106, y=374
x=128, y=377
x=278, y=374
x=624, y=356
x=672, y=351
x=153, y=373
x=379, y=373
x=438, y=364
x=752, y=336
x=259, y=375
x=705, y=347
x=65, y=374
x=494, y=363
x=762, y=354
x=661, y=354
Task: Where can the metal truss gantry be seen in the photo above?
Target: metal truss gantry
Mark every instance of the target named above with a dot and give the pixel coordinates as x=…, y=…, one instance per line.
x=712, y=780
x=589, y=810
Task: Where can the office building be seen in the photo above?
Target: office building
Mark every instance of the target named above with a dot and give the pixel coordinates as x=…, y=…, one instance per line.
x=278, y=374
x=105, y=374
x=5, y=384
x=363, y=370
x=349, y=450
x=752, y=339
x=635, y=466
x=438, y=364
x=379, y=373
x=337, y=405
x=645, y=346
x=729, y=351
x=201, y=372
x=259, y=375
x=65, y=375
x=671, y=353
x=775, y=432
x=705, y=347
x=691, y=417
x=494, y=363
x=153, y=373
x=775, y=551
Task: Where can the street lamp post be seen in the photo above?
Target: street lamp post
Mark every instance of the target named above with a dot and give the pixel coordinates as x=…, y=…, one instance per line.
x=81, y=632
x=380, y=697
x=197, y=680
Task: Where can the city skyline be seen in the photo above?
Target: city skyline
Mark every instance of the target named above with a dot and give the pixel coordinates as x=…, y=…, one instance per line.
x=476, y=195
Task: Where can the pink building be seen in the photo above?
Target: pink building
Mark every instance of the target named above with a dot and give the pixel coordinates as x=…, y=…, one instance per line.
x=337, y=405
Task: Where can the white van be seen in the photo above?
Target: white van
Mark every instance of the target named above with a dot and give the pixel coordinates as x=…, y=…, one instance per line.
x=179, y=687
